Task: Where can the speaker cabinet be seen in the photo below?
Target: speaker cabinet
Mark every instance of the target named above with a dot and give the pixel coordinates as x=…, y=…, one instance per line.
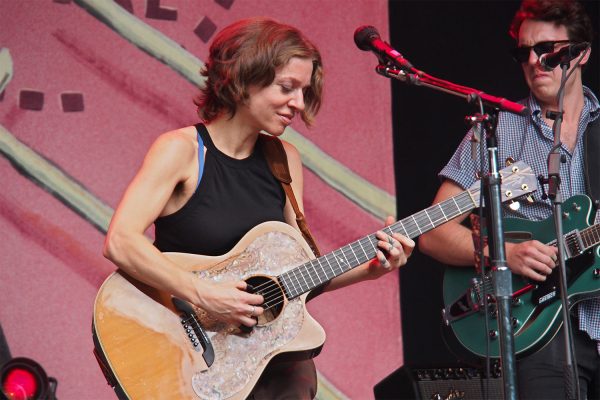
x=440, y=384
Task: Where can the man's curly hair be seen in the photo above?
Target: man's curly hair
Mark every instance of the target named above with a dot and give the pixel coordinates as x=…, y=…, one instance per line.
x=569, y=13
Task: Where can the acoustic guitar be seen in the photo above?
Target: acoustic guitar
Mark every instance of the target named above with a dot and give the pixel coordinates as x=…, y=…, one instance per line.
x=152, y=345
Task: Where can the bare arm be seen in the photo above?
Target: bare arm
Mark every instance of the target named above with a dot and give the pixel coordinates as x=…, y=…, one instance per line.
x=168, y=164
x=387, y=260
x=452, y=243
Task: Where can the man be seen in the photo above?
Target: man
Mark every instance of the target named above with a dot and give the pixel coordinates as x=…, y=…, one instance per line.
x=539, y=27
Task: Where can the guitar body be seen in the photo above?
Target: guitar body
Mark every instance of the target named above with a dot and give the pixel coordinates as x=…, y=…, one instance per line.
x=146, y=349
x=151, y=345
x=536, y=313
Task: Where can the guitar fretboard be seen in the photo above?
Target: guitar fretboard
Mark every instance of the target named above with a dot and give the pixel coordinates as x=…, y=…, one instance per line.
x=590, y=236
x=318, y=271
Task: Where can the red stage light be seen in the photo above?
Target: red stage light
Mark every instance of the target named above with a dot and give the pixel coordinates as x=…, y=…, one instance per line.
x=24, y=379
x=20, y=384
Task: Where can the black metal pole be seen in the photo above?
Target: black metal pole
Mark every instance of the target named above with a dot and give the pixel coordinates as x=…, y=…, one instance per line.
x=501, y=274
x=554, y=161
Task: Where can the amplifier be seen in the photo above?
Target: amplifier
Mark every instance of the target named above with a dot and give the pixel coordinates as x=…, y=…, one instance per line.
x=450, y=383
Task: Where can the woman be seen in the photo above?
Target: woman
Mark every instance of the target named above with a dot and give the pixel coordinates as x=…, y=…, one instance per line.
x=205, y=186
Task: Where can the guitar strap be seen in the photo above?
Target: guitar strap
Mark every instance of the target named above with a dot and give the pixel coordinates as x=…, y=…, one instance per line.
x=591, y=159
x=277, y=160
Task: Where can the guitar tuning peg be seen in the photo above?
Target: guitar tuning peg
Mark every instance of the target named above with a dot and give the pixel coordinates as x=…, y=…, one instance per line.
x=509, y=161
x=530, y=199
x=514, y=205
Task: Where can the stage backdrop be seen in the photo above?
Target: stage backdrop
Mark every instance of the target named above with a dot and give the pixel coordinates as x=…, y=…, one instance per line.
x=87, y=85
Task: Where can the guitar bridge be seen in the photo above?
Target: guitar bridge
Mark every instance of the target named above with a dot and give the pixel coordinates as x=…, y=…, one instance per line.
x=573, y=244
x=194, y=331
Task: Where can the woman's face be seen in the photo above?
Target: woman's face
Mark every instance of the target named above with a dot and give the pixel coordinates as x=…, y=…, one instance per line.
x=272, y=108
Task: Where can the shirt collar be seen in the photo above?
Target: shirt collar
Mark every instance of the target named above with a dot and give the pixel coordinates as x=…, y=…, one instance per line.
x=591, y=104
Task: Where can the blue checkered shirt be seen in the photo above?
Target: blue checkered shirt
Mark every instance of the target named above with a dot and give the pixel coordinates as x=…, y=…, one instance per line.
x=530, y=139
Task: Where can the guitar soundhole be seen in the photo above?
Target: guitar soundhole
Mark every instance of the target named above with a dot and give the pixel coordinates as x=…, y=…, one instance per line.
x=272, y=293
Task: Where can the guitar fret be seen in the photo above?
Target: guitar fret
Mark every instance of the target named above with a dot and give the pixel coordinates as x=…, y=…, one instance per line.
x=330, y=267
x=400, y=225
x=443, y=213
x=595, y=234
x=429, y=218
x=363, y=249
x=355, y=256
x=368, y=256
x=303, y=278
x=416, y=223
x=321, y=271
x=346, y=254
x=317, y=272
x=590, y=236
x=436, y=215
x=293, y=290
x=337, y=258
x=457, y=206
x=308, y=271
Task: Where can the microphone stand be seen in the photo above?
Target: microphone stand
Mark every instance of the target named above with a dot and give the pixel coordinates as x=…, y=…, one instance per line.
x=554, y=161
x=501, y=275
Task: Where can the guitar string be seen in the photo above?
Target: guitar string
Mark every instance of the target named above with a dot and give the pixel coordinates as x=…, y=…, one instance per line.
x=274, y=293
x=270, y=290
x=346, y=251
x=436, y=212
x=421, y=217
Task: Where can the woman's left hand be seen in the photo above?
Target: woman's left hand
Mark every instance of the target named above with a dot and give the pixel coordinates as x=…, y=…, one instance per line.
x=394, y=251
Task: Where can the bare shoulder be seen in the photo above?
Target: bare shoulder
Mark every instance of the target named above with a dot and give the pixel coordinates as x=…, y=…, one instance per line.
x=180, y=139
x=292, y=153
x=179, y=144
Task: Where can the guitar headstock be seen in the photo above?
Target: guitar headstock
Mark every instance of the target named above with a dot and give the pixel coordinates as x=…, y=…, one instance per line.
x=517, y=180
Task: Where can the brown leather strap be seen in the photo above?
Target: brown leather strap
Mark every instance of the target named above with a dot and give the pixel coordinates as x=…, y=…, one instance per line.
x=277, y=160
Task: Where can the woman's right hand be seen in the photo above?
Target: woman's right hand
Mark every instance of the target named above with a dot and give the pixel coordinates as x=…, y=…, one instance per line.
x=229, y=302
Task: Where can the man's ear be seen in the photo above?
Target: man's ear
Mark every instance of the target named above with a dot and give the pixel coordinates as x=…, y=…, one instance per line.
x=586, y=57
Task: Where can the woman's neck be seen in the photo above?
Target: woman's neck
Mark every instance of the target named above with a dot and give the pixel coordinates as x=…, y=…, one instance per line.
x=232, y=137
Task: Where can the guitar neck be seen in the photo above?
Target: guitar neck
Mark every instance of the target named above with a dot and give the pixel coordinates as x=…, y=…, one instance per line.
x=321, y=270
x=590, y=237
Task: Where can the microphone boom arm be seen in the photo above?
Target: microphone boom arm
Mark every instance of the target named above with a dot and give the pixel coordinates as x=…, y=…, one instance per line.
x=423, y=79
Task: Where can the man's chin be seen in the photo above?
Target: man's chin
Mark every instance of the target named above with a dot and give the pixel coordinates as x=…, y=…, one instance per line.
x=544, y=93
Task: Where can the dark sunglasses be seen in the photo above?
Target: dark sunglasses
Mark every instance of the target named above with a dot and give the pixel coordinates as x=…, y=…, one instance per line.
x=521, y=54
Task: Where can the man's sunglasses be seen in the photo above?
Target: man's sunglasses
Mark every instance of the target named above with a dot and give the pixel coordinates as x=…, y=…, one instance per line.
x=521, y=54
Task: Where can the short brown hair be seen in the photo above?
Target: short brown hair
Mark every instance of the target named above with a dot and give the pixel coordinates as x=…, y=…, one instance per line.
x=249, y=52
x=569, y=13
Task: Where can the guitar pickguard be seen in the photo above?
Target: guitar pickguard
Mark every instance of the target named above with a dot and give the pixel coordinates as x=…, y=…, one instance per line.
x=270, y=254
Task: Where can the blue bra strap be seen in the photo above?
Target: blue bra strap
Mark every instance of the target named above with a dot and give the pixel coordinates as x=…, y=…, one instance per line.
x=200, y=159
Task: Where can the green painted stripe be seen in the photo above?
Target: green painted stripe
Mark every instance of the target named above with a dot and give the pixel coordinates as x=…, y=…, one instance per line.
x=55, y=181
x=327, y=391
x=6, y=68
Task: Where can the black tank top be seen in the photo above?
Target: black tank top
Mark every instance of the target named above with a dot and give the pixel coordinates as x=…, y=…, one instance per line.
x=233, y=196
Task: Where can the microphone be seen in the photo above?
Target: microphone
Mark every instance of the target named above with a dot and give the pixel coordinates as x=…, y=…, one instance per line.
x=549, y=61
x=367, y=38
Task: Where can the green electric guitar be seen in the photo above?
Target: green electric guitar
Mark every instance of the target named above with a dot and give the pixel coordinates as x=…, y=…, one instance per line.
x=536, y=306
